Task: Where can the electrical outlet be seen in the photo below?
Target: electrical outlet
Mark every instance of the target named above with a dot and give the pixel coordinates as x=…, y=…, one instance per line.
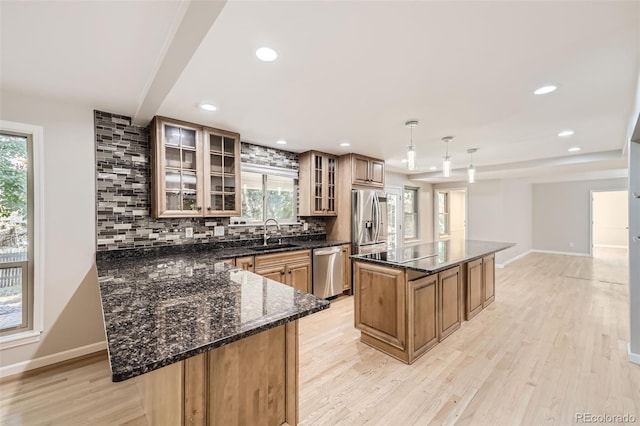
x=305, y=226
x=218, y=231
x=188, y=232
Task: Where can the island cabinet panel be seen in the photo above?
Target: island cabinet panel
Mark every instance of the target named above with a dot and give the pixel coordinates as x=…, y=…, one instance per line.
x=423, y=315
x=449, y=295
x=474, y=288
x=489, y=270
x=253, y=381
x=346, y=267
x=380, y=306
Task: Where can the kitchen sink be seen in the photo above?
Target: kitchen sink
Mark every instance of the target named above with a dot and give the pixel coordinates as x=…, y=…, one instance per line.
x=273, y=247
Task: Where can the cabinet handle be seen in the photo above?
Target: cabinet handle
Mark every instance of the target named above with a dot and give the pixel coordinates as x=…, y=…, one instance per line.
x=289, y=271
x=282, y=273
x=209, y=208
x=250, y=265
x=198, y=208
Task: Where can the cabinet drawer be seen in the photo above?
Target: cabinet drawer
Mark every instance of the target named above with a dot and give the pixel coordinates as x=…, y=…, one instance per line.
x=282, y=258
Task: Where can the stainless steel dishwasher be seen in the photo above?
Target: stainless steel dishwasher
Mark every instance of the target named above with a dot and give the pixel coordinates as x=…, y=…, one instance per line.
x=327, y=271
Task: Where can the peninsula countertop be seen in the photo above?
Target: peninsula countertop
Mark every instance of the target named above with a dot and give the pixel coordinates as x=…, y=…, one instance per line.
x=164, y=308
x=435, y=256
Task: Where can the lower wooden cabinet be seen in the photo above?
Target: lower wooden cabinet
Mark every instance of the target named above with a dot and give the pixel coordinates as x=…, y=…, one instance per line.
x=474, y=299
x=246, y=263
x=346, y=267
x=422, y=301
x=489, y=271
x=291, y=268
x=449, y=295
x=380, y=311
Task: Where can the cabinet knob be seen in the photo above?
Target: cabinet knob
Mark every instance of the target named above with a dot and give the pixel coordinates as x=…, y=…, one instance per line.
x=209, y=208
x=198, y=208
x=289, y=271
x=282, y=273
x=250, y=265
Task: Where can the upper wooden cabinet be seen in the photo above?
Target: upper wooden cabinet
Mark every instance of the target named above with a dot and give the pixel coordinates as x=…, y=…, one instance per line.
x=196, y=170
x=317, y=179
x=367, y=171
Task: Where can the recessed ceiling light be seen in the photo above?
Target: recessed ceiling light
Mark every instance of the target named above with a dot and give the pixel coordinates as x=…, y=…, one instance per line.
x=345, y=144
x=545, y=89
x=208, y=107
x=433, y=168
x=281, y=142
x=574, y=149
x=565, y=133
x=266, y=54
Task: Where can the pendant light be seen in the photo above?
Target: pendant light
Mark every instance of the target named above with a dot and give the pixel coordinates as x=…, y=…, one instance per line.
x=471, y=171
x=446, y=161
x=411, y=151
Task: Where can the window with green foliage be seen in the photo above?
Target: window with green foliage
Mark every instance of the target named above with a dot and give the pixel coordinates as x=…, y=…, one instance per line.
x=267, y=196
x=15, y=233
x=410, y=211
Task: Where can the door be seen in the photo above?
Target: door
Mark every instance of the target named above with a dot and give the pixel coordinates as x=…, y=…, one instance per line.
x=489, y=270
x=423, y=318
x=475, y=291
x=449, y=301
x=609, y=220
x=394, y=216
x=376, y=173
x=360, y=170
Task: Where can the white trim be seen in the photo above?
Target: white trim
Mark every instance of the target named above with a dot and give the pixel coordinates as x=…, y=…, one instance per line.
x=564, y=253
x=31, y=364
x=513, y=259
x=633, y=357
x=19, y=339
x=37, y=139
x=610, y=246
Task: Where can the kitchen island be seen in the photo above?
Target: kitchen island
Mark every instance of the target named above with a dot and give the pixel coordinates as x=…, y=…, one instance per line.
x=208, y=343
x=410, y=298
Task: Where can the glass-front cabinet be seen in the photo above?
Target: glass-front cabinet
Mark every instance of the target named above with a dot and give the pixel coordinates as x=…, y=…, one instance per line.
x=318, y=179
x=195, y=170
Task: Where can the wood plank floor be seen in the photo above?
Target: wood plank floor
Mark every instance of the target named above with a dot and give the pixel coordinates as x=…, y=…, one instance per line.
x=553, y=344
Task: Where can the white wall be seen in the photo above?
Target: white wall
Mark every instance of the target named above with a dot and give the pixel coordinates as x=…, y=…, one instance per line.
x=72, y=312
x=498, y=210
x=610, y=210
x=561, y=214
x=425, y=201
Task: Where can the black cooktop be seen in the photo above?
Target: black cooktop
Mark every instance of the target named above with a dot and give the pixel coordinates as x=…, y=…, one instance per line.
x=404, y=254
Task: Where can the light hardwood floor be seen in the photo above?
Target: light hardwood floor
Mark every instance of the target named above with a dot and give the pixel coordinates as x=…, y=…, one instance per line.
x=553, y=344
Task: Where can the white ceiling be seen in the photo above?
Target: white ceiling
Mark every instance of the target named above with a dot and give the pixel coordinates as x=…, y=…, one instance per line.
x=356, y=71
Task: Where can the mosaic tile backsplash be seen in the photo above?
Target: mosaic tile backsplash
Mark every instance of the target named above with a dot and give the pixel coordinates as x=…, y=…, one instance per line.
x=123, y=192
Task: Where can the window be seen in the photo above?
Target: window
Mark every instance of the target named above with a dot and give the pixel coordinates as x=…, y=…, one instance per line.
x=268, y=193
x=21, y=242
x=443, y=214
x=410, y=211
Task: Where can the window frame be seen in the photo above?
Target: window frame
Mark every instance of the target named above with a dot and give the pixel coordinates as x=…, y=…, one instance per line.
x=415, y=213
x=32, y=333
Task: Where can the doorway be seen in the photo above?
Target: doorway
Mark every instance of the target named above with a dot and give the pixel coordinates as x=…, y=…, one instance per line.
x=609, y=222
x=450, y=214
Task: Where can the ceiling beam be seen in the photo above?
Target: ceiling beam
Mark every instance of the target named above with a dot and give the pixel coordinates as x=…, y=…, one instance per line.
x=198, y=18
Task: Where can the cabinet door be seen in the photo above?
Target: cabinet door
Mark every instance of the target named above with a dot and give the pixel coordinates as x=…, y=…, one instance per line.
x=245, y=263
x=489, y=268
x=221, y=173
x=422, y=314
x=318, y=184
x=346, y=267
x=299, y=276
x=449, y=294
x=475, y=289
x=360, y=170
x=380, y=303
x=276, y=273
x=331, y=167
x=177, y=184
x=376, y=173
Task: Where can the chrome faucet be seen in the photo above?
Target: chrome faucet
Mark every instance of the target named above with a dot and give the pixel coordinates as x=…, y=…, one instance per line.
x=265, y=236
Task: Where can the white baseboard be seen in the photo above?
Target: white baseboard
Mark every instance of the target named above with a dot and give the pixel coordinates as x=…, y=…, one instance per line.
x=610, y=246
x=633, y=357
x=513, y=259
x=565, y=253
x=20, y=367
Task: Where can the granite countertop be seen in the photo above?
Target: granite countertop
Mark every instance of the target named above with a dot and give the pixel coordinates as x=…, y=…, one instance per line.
x=434, y=257
x=163, y=308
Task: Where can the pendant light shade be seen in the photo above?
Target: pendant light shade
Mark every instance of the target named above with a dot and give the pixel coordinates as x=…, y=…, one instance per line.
x=411, y=150
x=446, y=161
x=471, y=171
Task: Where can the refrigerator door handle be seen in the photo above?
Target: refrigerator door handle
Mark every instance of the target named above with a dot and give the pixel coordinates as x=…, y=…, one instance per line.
x=377, y=217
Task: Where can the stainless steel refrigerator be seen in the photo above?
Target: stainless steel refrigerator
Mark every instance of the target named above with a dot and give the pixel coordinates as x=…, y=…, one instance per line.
x=369, y=220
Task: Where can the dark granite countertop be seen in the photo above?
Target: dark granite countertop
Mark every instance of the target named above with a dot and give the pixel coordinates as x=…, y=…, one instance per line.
x=163, y=308
x=434, y=257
